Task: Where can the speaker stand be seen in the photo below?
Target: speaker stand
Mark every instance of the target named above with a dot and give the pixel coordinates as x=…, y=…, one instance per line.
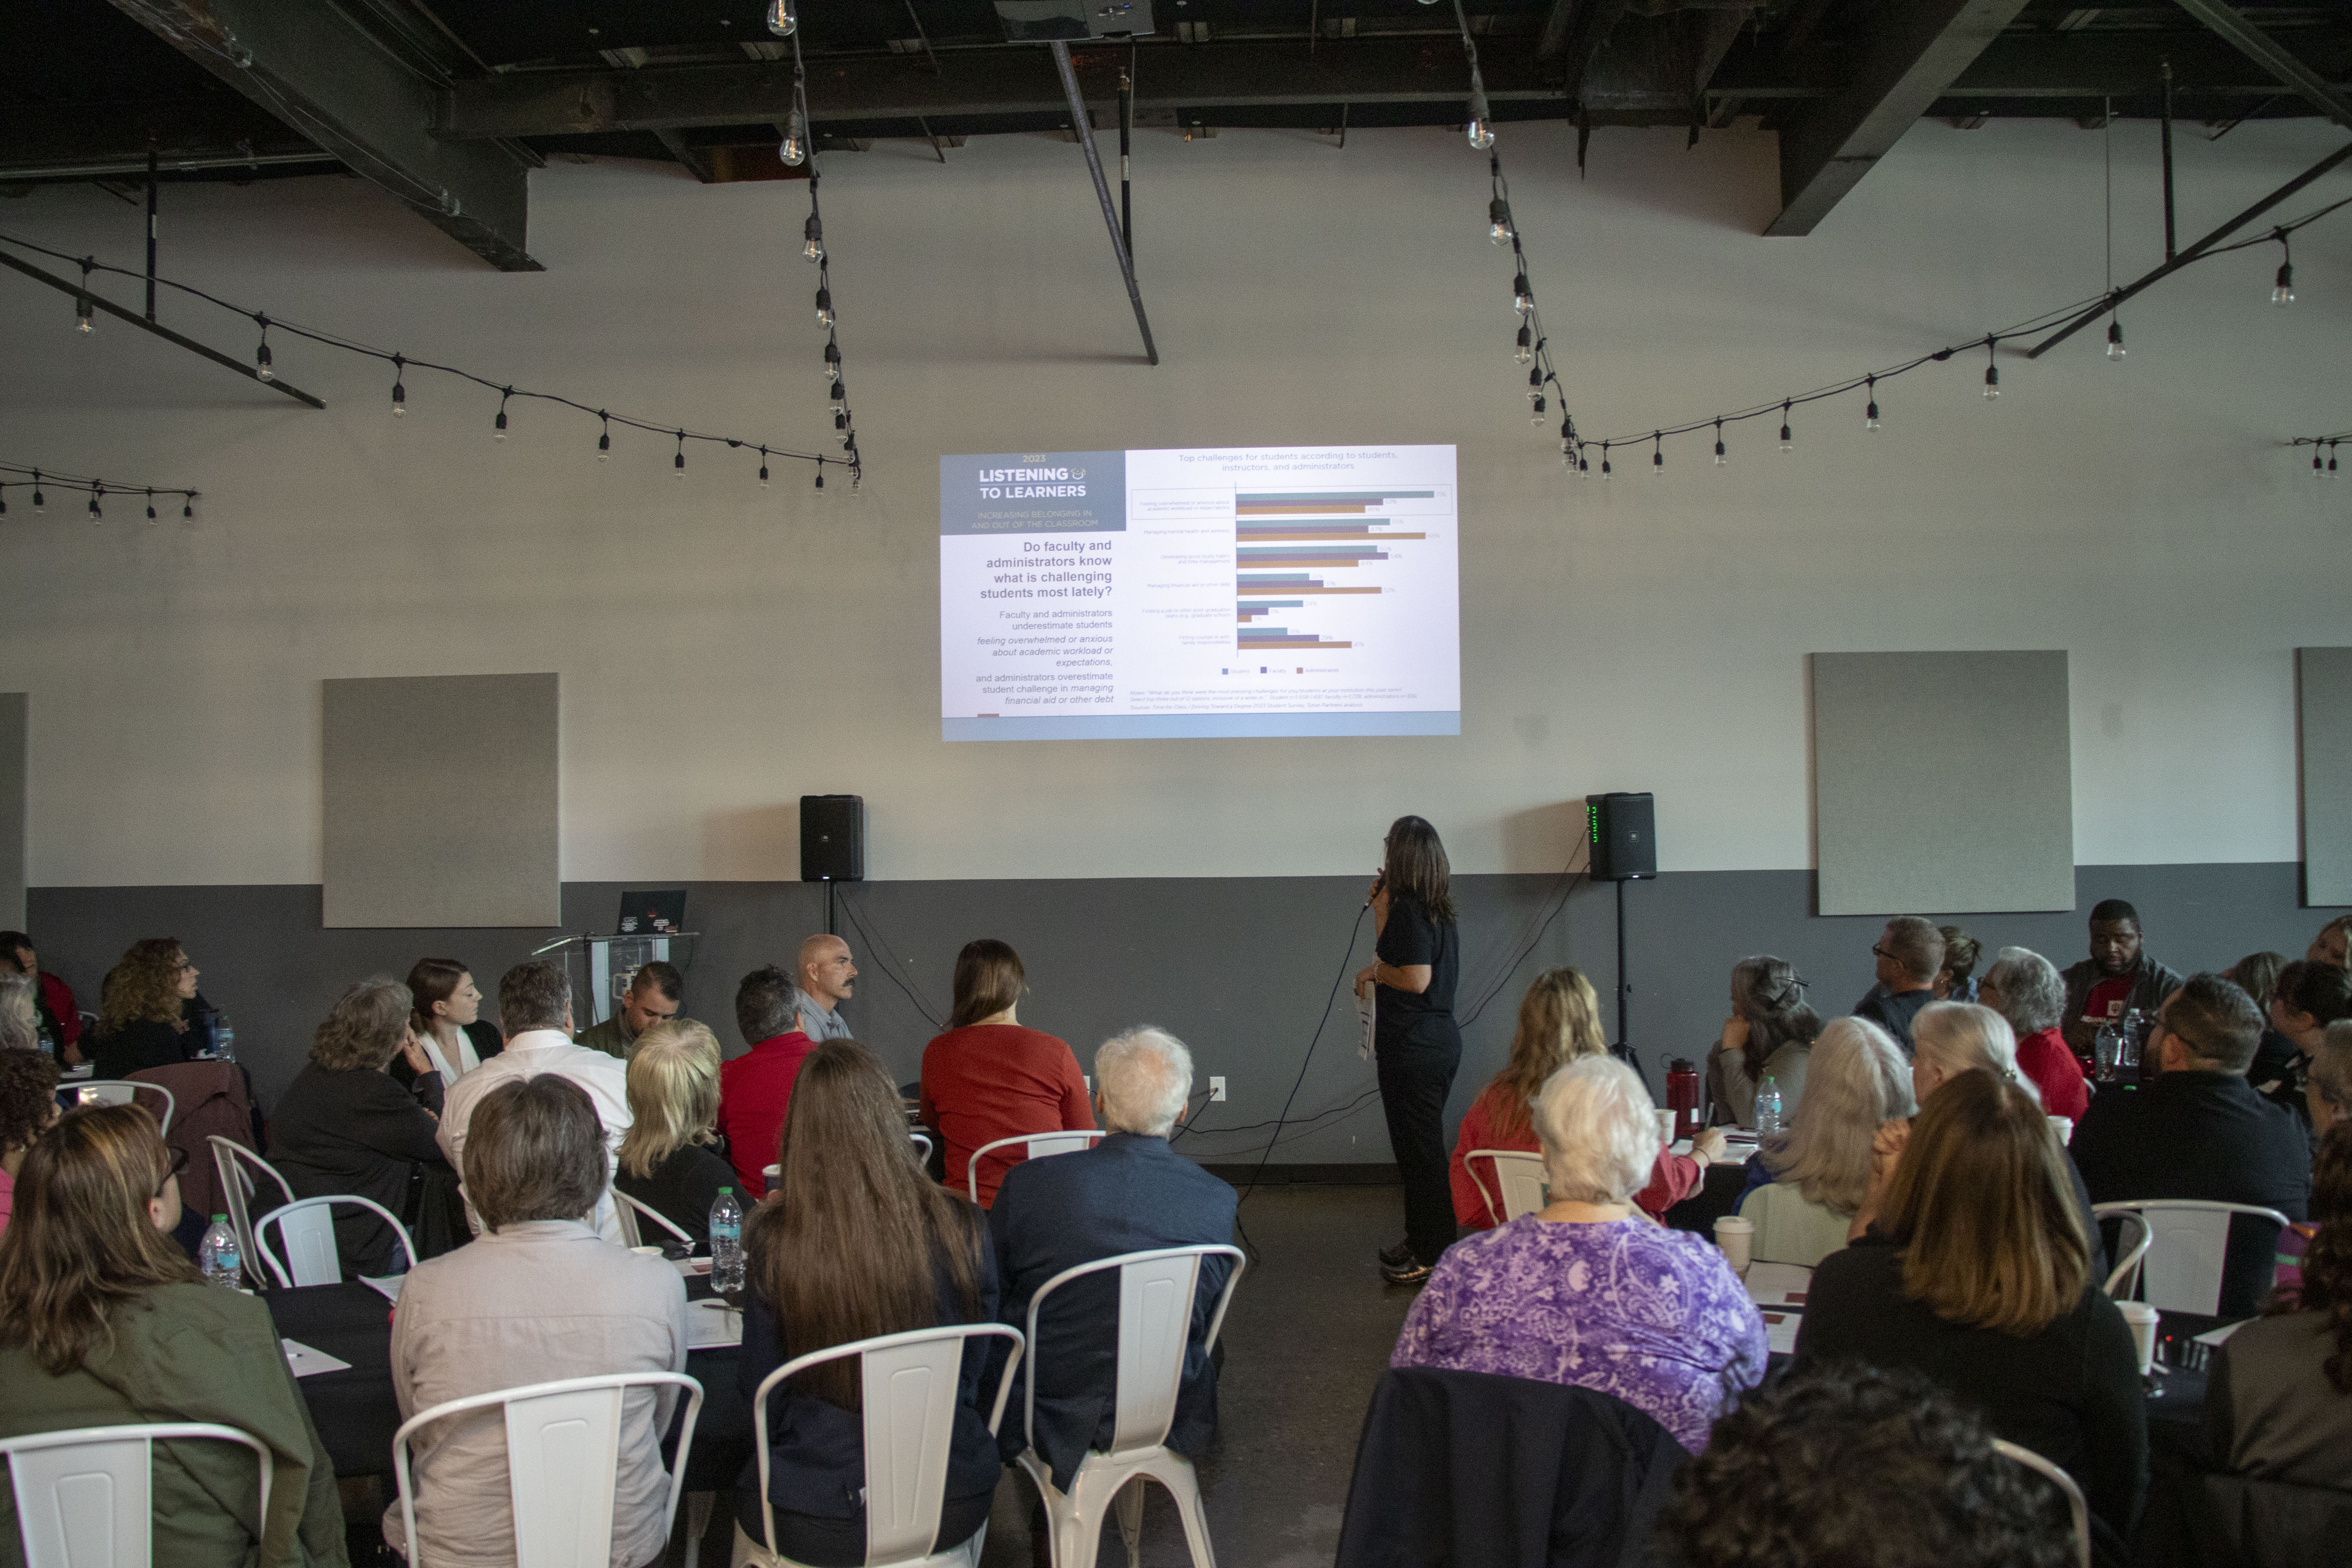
x=830, y=932
x=1623, y=1050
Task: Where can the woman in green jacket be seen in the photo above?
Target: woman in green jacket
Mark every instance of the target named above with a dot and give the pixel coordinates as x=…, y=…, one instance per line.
x=104, y=1322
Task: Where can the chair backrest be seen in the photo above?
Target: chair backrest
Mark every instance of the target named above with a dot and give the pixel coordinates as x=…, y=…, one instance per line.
x=82, y=1496
x=2186, y=1244
x=1519, y=1180
x=1155, y=1322
x=630, y=1208
x=922, y=1145
x=1040, y=1144
x=907, y=1384
x=121, y=1091
x=563, y=1448
x=306, y=1230
x=230, y=1162
x=2075, y=1503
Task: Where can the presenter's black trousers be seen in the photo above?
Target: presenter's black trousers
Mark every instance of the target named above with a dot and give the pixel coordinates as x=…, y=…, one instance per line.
x=1414, y=1086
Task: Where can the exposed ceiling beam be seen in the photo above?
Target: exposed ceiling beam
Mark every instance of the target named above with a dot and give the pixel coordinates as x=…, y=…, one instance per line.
x=308, y=66
x=1901, y=63
x=2258, y=45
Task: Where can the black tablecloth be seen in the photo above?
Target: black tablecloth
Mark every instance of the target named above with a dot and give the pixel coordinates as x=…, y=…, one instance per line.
x=356, y=1413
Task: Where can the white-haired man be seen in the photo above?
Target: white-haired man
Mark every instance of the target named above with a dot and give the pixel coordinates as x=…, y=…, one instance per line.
x=1131, y=1193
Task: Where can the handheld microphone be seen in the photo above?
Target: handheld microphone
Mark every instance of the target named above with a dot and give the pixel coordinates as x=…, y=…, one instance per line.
x=1379, y=881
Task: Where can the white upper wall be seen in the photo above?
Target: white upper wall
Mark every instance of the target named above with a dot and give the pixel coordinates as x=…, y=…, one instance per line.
x=724, y=650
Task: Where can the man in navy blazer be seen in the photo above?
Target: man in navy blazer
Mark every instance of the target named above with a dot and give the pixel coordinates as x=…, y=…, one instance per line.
x=1131, y=1193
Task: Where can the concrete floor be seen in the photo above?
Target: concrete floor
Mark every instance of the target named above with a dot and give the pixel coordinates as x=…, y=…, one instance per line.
x=1307, y=1336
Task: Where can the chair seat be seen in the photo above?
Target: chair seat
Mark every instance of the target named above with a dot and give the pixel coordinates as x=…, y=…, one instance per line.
x=1103, y=1481
x=750, y=1551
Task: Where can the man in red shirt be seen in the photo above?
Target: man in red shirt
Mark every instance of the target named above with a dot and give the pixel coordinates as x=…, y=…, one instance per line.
x=52, y=998
x=2119, y=976
x=755, y=1089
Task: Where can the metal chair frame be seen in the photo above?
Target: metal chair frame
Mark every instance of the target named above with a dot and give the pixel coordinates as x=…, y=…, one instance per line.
x=1084, y=1137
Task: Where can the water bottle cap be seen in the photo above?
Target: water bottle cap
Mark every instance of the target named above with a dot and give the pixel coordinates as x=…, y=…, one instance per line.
x=727, y=1190
x=220, y=1220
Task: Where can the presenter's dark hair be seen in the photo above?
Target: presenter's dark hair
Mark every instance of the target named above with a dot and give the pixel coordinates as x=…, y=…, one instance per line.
x=533, y=995
x=432, y=980
x=988, y=980
x=2114, y=909
x=662, y=977
x=1416, y=864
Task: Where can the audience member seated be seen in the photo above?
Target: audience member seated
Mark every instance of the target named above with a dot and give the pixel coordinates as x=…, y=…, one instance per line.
x=2257, y=974
x=1909, y=954
x=2024, y=988
x=666, y=1161
x=57, y=1016
x=1805, y=1186
x=1978, y=1274
x=827, y=978
x=988, y=1077
x=105, y=1323
x=20, y=1020
x=145, y=1010
x=537, y=1298
x=2200, y=1131
x=1559, y=1020
x=2334, y=944
x=535, y=1011
x=856, y=1242
x=2118, y=976
x=755, y=1089
x=448, y=1023
x=2304, y=1000
x=1858, y=1468
x=2278, y=1401
x=1956, y=981
x=1768, y=1035
x=29, y=1107
x=1587, y=1291
x=1131, y=1193
x=654, y=996
x=344, y=1127
x=2329, y=1103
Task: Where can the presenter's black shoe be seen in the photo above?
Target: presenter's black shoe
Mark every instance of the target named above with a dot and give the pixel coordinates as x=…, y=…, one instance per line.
x=1397, y=1255
x=1411, y=1271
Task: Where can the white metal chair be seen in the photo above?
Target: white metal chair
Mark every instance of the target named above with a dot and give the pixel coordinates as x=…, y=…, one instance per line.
x=922, y=1146
x=1519, y=1176
x=307, y=1229
x=235, y=1164
x=629, y=1208
x=563, y=1450
x=83, y=1497
x=769, y=1173
x=2182, y=1246
x=1040, y=1144
x=2075, y=1503
x=122, y=1091
x=909, y=1384
x=1155, y=1323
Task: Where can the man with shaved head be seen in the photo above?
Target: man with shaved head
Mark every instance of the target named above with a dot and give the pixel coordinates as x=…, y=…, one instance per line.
x=826, y=976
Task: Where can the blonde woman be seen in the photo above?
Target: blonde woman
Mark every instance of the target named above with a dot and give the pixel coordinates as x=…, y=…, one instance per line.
x=1559, y=1021
x=666, y=1162
x=1806, y=1185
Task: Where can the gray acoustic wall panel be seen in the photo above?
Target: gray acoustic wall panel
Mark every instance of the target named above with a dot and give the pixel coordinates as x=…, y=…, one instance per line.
x=422, y=835
x=13, y=711
x=1974, y=812
x=2324, y=701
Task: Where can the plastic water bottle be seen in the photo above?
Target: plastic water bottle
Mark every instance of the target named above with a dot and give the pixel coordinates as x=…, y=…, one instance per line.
x=1768, y=1108
x=726, y=1243
x=216, y=1255
x=2107, y=1053
x=224, y=1038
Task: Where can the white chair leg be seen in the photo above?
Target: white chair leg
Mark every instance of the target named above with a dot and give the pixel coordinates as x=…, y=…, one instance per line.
x=697, y=1525
x=1130, y=1504
x=1175, y=1472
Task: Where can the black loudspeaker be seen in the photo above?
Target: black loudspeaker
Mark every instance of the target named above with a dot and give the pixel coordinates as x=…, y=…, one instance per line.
x=833, y=839
x=1623, y=832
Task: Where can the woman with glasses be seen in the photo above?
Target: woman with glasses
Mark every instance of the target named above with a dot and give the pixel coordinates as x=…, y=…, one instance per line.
x=146, y=1008
x=104, y=1322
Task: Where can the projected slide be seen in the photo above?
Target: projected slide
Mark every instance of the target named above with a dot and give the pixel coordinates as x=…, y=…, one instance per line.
x=1138, y=594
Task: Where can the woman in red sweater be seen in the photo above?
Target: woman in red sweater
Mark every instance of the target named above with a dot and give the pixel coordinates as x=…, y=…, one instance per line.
x=2024, y=987
x=988, y=1077
x=1559, y=1020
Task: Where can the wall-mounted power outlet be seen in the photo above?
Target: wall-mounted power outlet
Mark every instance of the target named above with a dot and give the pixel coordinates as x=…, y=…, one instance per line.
x=1216, y=1088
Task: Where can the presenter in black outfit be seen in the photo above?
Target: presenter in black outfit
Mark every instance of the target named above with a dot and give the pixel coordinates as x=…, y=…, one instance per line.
x=1417, y=961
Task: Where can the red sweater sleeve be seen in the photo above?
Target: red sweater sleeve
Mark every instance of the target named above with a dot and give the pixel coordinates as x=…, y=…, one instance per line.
x=1674, y=1178
x=1077, y=1116
x=1469, y=1204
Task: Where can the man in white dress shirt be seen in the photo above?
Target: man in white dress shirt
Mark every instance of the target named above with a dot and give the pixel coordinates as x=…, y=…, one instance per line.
x=535, y=1017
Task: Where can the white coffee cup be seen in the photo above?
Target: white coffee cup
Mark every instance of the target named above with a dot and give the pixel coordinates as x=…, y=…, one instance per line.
x=2064, y=1127
x=1666, y=1127
x=2142, y=1319
x=646, y=1251
x=1735, y=1236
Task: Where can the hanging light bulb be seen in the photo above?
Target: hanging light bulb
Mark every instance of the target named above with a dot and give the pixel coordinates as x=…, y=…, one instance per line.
x=1720, y=459
x=1498, y=222
x=820, y=475
x=1482, y=135
x=832, y=360
x=188, y=507
x=1523, y=299
x=95, y=492
x=794, y=151
x=1605, y=471
x=151, y=506
x=499, y=429
x=1526, y=349
x=605, y=438
x=1870, y=414
x=823, y=306
x=763, y=467
x=1536, y=414
x=2282, y=290
x=399, y=393
x=1992, y=372
x=261, y=354
x=813, y=233
x=83, y=319
x=678, y=464
x=1787, y=441
x=783, y=17
x=2115, y=339
x=1658, y=457
x=1583, y=465
x=40, y=501
x=2331, y=459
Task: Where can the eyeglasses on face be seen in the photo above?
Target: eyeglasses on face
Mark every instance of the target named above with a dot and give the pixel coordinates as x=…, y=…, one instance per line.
x=179, y=1163
x=1879, y=951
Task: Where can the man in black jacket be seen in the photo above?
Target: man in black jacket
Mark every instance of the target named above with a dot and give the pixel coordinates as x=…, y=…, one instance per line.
x=2118, y=976
x=2197, y=1129
x=1910, y=953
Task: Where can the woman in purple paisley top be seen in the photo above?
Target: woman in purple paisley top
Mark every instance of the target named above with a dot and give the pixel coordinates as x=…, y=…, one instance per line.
x=1587, y=1291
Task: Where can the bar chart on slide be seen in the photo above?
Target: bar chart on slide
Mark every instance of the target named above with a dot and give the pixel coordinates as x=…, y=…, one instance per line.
x=1299, y=542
